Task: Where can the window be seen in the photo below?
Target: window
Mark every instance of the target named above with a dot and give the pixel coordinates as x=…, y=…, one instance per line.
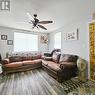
x=57, y=40
x=25, y=42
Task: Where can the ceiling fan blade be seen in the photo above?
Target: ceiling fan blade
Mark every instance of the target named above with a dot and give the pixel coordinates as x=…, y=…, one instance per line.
x=42, y=27
x=45, y=22
x=29, y=15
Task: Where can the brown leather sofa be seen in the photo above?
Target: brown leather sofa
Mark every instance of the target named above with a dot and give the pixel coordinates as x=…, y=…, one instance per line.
x=21, y=62
x=61, y=66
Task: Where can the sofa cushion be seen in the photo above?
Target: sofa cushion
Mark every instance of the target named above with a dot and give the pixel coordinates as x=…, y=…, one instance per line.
x=27, y=58
x=24, y=56
x=44, y=62
x=15, y=59
x=68, y=58
x=31, y=57
x=37, y=56
x=52, y=65
x=37, y=61
x=13, y=64
x=28, y=62
x=55, y=57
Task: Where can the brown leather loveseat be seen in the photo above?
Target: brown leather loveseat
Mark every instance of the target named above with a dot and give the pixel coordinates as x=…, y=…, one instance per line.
x=61, y=66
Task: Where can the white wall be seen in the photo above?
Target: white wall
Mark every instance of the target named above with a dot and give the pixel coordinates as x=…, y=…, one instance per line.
x=3, y=43
x=4, y=48
x=78, y=47
x=77, y=15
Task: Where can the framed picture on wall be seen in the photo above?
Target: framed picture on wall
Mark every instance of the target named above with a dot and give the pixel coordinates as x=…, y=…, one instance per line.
x=3, y=37
x=9, y=42
x=73, y=35
x=43, y=39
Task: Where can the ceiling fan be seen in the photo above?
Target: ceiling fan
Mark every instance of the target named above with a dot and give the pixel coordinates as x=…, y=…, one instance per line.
x=36, y=22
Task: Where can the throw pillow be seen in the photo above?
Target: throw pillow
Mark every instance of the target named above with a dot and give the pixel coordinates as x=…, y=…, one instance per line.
x=56, y=56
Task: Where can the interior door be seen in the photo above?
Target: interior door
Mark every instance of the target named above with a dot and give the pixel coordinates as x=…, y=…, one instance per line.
x=92, y=49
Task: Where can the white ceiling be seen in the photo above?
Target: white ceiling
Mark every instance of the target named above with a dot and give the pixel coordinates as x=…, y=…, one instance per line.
x=59, y=11
x=17, y=17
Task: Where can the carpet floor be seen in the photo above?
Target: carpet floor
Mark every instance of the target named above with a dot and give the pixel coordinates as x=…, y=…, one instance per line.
x=38, y=82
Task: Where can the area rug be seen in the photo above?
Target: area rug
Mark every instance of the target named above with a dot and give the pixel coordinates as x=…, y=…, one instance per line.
x=78, y=87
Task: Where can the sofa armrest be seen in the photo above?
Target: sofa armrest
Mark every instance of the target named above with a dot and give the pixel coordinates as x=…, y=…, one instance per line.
x=67, y=65
x=5, y=61
x=48, y=58
x=47, y=54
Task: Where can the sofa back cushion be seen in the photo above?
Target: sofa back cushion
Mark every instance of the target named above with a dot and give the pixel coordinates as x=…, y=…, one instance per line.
x=15, y=59
x=22, y=56
x=68, y=58
x=55, y=50
x=36, y=56
x=55, y=57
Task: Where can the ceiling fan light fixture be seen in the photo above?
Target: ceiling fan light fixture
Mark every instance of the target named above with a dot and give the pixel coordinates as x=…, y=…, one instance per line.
x=36, y=23
x=35, y=15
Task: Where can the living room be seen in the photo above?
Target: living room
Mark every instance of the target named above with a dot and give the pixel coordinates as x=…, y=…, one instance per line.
x=67, y=30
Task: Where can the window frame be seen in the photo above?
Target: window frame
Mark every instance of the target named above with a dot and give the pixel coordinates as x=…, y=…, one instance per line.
x=19, y=50
x=55, y=35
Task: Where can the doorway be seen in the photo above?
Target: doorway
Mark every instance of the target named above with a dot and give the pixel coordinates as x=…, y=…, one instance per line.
x=92, y=49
